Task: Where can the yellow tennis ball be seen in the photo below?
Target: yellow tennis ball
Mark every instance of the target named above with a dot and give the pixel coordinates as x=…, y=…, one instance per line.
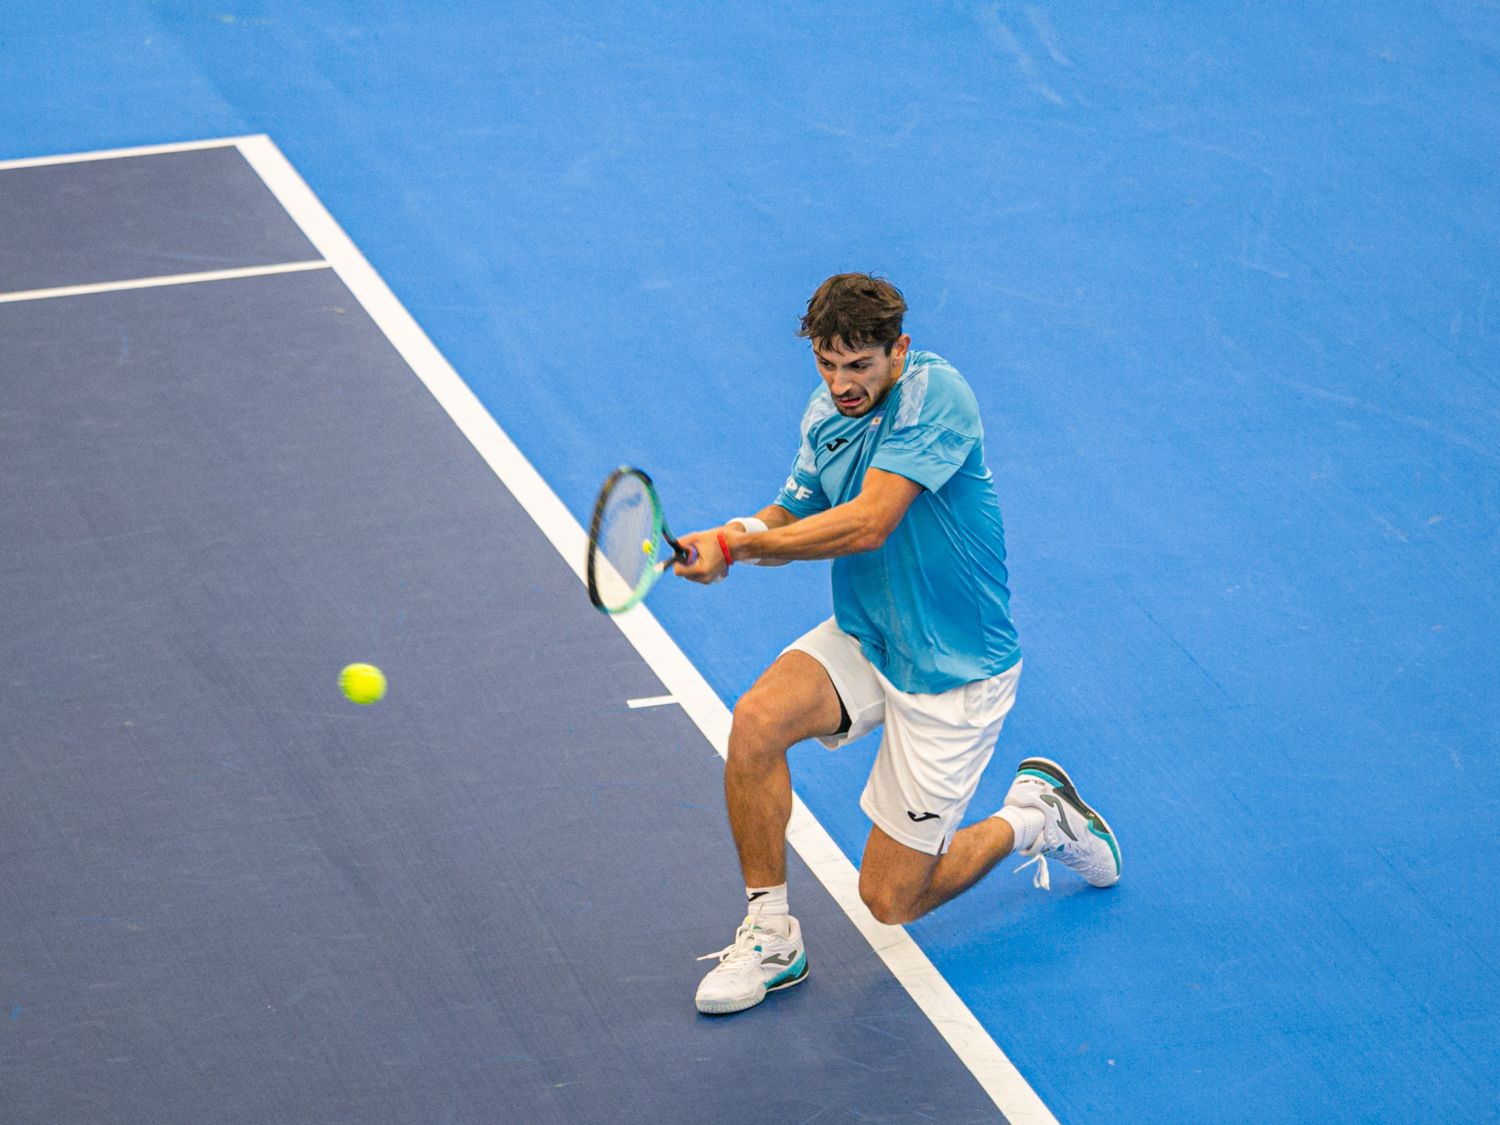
x=362, y=683
x=646, y=546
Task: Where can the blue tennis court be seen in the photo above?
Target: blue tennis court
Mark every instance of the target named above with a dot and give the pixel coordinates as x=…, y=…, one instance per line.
x=318, y=333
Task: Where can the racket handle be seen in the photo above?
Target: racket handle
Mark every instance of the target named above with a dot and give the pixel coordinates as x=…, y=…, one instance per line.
x=692, y=555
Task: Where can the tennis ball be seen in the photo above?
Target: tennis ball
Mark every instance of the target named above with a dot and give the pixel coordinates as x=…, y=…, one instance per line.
x=645, y=546
x=362, y=683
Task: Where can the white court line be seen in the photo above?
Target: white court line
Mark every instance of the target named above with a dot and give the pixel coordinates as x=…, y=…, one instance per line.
x=654, y=701
x=117, y=153
x=154, y=282
x=902, y=956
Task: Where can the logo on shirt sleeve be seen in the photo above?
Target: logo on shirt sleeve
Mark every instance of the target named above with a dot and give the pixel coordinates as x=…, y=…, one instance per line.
x=799, y=492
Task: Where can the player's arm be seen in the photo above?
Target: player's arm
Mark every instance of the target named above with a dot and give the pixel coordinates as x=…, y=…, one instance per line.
x=859, y=525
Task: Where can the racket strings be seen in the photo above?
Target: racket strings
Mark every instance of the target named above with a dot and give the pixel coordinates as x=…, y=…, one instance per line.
x=626, y=539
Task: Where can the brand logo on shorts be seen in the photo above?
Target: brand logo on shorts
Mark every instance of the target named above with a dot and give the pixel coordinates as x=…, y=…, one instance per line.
x=924, y=816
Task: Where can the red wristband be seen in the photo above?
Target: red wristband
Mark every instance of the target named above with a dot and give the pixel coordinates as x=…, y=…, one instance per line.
x=723, y=546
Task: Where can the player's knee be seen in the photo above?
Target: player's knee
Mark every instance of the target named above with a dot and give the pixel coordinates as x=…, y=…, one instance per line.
x=759, y=727
x=889, y=906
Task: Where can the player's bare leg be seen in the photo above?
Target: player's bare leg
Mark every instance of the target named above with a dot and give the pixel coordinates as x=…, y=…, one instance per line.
x=900, y=884
x=793, y=700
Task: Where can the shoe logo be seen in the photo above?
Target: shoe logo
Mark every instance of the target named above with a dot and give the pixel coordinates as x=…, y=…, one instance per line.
x=756, y=895
x=833, y=446
x=782, y=959
x=1062, y=817
x=915, y=819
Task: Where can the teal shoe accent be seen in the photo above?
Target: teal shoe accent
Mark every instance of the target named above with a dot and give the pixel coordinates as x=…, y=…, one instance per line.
x=1056, y=783
x=794, y=973
x=1108, y=838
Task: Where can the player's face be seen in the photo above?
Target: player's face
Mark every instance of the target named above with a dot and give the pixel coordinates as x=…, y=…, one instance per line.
x=858, y=381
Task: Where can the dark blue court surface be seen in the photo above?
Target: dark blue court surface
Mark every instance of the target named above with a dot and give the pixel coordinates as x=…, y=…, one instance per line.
x=1224, y=281
x=112, y=220
x=233, y=896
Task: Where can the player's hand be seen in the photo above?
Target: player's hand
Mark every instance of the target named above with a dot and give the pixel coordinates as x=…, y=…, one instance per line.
x=710, y=566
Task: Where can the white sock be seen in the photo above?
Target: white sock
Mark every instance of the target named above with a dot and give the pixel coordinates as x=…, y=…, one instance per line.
x=1025, y=823
x=768, y=904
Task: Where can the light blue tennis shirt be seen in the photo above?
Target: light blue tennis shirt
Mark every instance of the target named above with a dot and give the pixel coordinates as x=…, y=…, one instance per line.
x=930, y=608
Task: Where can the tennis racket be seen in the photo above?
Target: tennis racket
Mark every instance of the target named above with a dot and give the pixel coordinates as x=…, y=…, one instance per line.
x=629, y=544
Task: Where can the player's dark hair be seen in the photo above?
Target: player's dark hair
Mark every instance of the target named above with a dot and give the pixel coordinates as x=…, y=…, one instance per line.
x=855, y=311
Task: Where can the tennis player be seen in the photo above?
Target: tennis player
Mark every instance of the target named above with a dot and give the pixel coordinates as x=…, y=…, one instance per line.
x=890, y=482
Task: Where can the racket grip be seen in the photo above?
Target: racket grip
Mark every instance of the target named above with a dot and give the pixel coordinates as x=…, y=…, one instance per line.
x=692, y=555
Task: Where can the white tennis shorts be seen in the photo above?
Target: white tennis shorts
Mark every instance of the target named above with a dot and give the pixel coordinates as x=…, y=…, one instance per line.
x=935, y=746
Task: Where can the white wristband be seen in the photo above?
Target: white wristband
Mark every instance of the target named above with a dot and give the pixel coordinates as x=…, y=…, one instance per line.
x=755, y=526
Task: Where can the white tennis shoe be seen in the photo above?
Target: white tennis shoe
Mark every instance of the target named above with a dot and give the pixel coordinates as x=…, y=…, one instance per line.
x=1073, y=833
x=758, y=961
